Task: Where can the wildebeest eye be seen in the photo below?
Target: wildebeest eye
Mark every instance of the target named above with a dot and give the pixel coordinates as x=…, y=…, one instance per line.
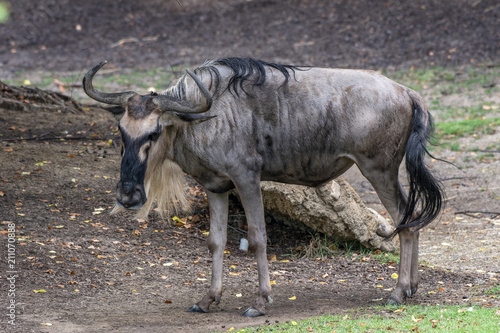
x=154, y=136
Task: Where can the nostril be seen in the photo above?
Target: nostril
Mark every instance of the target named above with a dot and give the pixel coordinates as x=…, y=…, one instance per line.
x=130, y=195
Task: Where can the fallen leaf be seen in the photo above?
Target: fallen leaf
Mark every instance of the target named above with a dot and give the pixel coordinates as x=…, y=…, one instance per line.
x=8, y=149
x=394, y=276
x=294, y=323
x=239, y=295
x=168, y=301
x=178, y=221
x=40, y=291
x=293, y=298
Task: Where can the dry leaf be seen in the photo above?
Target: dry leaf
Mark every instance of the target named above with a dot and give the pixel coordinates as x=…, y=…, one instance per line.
x=415, y=319
x=293, y=298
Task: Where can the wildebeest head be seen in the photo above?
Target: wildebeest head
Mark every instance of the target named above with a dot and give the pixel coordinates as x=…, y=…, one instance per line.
x=143, y=136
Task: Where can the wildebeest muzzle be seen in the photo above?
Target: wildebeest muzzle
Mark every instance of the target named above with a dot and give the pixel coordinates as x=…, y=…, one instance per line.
x=130, y=195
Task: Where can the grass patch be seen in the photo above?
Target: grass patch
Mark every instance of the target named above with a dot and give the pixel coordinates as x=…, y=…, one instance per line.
x=461, y=128
x=455, y=93
x=393, y=319
x=323, y=247
x=495, y=290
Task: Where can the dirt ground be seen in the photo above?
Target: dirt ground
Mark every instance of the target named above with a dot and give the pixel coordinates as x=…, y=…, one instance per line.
x=80, y=270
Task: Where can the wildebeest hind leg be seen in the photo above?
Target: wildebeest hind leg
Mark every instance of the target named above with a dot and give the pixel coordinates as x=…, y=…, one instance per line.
x=391, y=194
x=218, y=205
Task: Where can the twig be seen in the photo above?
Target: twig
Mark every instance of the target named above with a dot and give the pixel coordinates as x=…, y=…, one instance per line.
x=469, y=212
x=454, y=178
x=237, y=229
x=35, y=137
x=487, y=151
x=42, y=137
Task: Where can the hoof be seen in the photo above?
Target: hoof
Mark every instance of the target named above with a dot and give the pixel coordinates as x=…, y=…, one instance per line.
x=196, y=308
x=412, y=292
x=252, y=312
x=392, y=301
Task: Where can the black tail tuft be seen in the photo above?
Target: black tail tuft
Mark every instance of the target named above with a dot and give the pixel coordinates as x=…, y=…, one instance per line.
x=425, y=190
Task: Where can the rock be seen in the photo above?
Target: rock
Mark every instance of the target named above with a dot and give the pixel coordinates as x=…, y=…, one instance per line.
x=334, y=209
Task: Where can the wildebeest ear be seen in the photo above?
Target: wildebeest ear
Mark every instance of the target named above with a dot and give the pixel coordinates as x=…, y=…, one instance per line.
x=115, y=109
x=193, y=117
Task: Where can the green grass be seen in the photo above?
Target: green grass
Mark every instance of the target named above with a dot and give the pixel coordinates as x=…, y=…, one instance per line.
x=495, y=290
x=463, y=100
x=392, y=319
x=461, y=128
x=323, y=247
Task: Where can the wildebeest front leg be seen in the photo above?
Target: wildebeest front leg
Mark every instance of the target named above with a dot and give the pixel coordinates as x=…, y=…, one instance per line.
x=251, y=199
x=218, y=205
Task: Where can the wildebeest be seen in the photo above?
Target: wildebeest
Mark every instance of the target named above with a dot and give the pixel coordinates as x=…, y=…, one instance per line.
x=235, y=122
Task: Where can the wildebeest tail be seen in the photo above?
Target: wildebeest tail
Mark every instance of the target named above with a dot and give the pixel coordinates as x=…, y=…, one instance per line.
x=425, y=196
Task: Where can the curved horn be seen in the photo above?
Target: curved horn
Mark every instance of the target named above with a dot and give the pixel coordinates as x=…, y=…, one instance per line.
x=108, y=98
x=168, y=103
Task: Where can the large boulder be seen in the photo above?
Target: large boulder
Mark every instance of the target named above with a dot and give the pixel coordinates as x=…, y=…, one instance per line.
x=334, y=209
